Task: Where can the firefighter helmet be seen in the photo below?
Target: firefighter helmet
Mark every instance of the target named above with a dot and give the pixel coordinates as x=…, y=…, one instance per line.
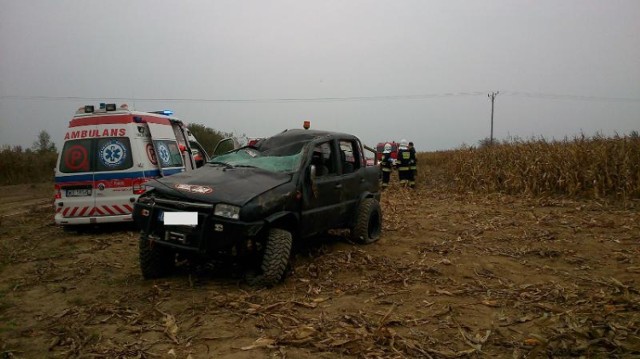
x=387, y=147
x=404, y=143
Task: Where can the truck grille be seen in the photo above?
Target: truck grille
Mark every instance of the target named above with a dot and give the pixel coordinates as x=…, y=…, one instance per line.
x=188, y=236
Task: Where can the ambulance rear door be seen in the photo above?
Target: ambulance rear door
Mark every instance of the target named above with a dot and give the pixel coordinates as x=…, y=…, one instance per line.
x=75, y=177
x=115, y=171
x=166, y=148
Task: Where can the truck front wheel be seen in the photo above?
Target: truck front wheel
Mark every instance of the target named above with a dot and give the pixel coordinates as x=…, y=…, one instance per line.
x=155, y=261
x=275, y=258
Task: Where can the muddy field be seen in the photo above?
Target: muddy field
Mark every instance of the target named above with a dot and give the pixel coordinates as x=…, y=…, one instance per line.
x=454, y=275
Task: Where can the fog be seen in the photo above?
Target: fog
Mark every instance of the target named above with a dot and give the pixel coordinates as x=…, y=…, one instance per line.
x=383, y=70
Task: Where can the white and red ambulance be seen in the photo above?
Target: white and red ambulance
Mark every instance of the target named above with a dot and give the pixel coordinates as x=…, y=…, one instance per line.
x=108, y=155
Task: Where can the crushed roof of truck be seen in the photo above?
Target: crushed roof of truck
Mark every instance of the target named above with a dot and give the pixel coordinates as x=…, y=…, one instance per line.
x=297, y=135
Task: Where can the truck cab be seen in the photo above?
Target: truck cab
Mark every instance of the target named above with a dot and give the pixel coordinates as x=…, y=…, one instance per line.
x=256, y=200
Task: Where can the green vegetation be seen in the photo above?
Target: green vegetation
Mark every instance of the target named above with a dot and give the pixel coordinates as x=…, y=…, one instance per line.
x=209, y=137
x=33, y=165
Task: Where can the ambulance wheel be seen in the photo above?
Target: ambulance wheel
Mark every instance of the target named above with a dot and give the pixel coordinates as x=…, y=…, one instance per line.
x=156, y=261
x=368, y=226
x=275, y=258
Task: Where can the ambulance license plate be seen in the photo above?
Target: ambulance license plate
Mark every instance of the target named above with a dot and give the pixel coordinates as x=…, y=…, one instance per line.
x=81, y=192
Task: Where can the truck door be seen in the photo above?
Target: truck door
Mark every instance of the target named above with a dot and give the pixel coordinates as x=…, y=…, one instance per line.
x=351, y=175
x=225, y=145
x=321, y=204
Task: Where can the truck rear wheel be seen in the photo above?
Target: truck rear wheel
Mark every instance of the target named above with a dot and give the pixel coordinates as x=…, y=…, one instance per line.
x=275, y=258
x=368, y=224
x=156, y=261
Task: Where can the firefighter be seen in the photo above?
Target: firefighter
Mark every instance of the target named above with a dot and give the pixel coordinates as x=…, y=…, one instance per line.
x=405, y=159
x=386, y=163
x=414, y=165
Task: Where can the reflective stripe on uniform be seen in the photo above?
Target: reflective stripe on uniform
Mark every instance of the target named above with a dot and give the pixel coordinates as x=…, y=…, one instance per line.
x=403, y=168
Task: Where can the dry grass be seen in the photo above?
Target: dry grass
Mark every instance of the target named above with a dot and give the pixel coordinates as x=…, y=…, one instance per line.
x=454, y=276
x=594, y=168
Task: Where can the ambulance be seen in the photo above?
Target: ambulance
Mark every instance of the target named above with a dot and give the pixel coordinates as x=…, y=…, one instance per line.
x=109, y=153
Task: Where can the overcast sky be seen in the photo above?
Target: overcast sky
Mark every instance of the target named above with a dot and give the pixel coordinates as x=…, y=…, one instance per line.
x=383, y=70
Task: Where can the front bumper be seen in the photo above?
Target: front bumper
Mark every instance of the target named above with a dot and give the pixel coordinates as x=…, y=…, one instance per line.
x=70, y=221
x=211, y=234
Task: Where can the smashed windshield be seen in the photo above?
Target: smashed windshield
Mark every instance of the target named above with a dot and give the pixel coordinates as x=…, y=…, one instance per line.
x=275, y=159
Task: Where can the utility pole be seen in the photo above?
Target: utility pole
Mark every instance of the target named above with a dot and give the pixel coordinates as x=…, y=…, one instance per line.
x=492, y=96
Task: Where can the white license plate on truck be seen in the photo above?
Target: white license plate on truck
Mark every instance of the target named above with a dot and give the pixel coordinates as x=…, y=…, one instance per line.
x=178, y=218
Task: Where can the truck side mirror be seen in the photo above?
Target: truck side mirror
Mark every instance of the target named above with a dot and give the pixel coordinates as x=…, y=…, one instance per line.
x=312, y=173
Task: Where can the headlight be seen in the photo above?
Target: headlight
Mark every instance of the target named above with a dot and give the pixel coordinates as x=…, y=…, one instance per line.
x=227, y=211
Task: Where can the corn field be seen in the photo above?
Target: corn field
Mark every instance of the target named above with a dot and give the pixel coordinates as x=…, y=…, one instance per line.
x=596, y=167
x=18, y=166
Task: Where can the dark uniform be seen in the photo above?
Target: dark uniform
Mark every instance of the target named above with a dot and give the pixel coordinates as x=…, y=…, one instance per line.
x=413, y=166
x=385, y=165
x=406, y=158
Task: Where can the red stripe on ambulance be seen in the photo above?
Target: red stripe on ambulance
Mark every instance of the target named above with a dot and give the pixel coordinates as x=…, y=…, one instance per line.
x=118, y=209
x=86, y=211
x=114, y=120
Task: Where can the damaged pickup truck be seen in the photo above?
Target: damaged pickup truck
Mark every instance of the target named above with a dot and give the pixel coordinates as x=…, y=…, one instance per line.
x=253, y=202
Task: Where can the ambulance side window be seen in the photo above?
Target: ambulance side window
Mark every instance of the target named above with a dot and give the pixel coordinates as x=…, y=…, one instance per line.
x=113, y=154
x=168, y=153
x=76, y=156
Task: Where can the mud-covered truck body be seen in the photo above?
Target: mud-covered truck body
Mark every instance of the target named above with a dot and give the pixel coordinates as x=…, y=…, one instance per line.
x=255, y=201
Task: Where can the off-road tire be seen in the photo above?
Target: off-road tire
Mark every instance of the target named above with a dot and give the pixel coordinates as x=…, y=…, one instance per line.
x=156, y=261
x=368, y=226
x=275, y=258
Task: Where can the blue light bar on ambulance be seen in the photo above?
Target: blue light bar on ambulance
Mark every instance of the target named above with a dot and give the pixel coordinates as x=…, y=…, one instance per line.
x=163, y=112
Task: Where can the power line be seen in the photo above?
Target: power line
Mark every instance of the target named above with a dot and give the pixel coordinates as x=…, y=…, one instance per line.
x=552, y=96
x=539, y=95
x=253, y=100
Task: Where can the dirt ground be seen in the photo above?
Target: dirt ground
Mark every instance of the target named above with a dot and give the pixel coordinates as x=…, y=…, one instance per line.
x=454, y=275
